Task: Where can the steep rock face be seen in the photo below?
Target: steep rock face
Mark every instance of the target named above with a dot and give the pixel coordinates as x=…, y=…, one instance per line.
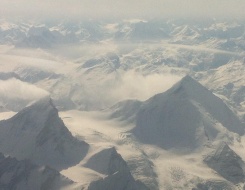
x=110, y=163
x=37, y=133
x=23, y=175
x=184, y=116
x=226, y=163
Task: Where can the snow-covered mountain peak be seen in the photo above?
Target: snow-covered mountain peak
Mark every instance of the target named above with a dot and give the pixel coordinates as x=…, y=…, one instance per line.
x=42, y=110
x=189, y=87
x=200, y=96
x=38, y=131
x=186, y=116
x=188, y=80
x=42, y=104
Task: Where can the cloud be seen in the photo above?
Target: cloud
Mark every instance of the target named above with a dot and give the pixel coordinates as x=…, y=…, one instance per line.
x=123, y=9
x=131, y=85
x=15, y=94
x=136, y=86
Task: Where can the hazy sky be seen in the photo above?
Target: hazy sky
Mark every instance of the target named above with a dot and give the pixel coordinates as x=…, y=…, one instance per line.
x=123, y=8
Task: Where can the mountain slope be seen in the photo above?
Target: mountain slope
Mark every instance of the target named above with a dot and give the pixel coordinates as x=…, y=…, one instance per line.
x=37, y=133
x=227, y=163
x=110, y=163
x=23, y=175
x=125, y=110
x=187, y=115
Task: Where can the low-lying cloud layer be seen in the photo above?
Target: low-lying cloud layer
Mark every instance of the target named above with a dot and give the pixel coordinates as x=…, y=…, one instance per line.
x=137, y=86
x=123, y=9
x=15, y=94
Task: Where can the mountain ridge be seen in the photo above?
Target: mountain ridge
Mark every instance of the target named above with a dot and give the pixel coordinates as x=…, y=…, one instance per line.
x=188, y=112
x=36, y=131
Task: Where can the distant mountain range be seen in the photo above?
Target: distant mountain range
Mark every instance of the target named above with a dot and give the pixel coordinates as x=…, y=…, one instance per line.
x=222, y=35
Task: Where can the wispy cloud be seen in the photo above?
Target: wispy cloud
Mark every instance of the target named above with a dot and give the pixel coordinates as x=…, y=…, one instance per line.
x=15, y=94
x=125, y=9
x=132, y=85
x=137, y=86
